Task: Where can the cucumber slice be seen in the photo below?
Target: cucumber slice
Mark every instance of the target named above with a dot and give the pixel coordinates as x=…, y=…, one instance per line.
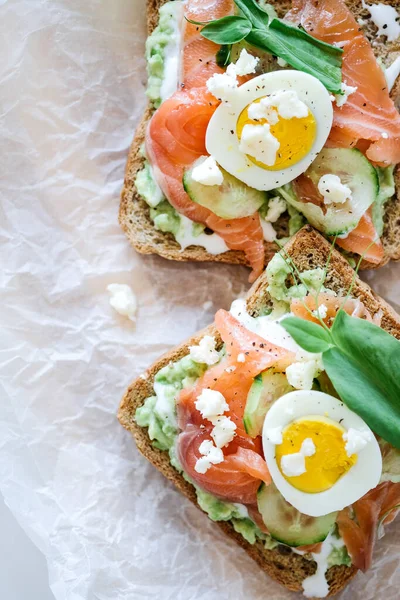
x=233, y=199
x=286, y=524
x=266, y=388
x=355, y=171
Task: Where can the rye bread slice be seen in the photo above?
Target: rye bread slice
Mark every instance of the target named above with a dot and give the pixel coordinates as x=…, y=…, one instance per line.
x=308, y=250
x=134, y=213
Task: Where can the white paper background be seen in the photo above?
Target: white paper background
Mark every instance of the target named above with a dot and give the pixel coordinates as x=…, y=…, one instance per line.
x=72, y=78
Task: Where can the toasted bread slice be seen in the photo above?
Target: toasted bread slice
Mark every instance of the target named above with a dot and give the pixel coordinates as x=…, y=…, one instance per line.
x=134, y=213
x=308, y=250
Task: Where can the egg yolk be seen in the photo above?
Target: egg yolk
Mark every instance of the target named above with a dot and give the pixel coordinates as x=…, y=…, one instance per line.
x=295, y=136
x=330, y=460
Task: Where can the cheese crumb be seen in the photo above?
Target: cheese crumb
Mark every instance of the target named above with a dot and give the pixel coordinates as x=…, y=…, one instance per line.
x=205, y=353
x=384, y=135
x=333, y=190
x=321, y=311
x=258, y=111
x=269, y=233
x=286, y=102
x=347, y=90
x=241, y=357
x=223, y=431
x=293, y=465
x=276, y=207
x=223, y=85
x=246, y=63
x=123, y=300
x=356, y=440
x=211, y=456
x=281, y=62
x=211, y=403
x=300, y=375
x=258, y=142
x=207, y=172
x=274, y=435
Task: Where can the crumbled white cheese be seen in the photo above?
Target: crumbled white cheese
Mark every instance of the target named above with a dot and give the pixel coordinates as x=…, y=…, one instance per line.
x=211, y=403
x=347, y=90
x=321, y=311
x=384, y=135
x=205, y=352
x=282, y=63
x=274, y=435
x=246, y=63
x=258, y=111
x=230, y=369
x=207, y=172
x=258, y=142
x=300, y=375
x=276, y=207
x=223, y=85
x=293, y=465
x=241, y=357
x=211, y=456
x=286, y=102
x=333, y=190
x=356, y=440
x=123, y=300
x=269, y=233
x=386, y=18
x=223, y=431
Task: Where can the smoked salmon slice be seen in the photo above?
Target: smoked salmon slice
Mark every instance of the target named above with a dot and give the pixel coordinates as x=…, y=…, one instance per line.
x=176, y=133
x=359, y=530
x=369, y=112
x=238, y=477
x=230, y=377
x=198, y=53
x=354, y=307
x=364, y=240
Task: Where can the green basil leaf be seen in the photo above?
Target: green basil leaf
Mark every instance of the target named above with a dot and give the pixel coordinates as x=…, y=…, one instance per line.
x=228, y=30
x=308, y=335
x=253, y=12
x=364, y=368
x=223, y=56
x=301, y=51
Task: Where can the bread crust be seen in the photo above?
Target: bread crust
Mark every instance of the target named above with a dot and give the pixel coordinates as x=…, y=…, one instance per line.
x=308, y=249
x=134, y=213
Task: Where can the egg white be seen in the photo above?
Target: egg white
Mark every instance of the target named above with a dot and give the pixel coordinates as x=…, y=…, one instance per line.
x=222, y=141
x=356, y=482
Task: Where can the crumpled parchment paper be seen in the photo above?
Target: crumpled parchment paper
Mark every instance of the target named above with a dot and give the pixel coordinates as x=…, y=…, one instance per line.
x=72, y=76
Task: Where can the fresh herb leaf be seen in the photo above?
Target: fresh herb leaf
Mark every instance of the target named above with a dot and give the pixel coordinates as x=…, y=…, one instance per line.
x=228, y=30
x=364, y=368
x=254, y=13
x=259, y=28
x=223, y=56
x=310, y=336
x=301, y=51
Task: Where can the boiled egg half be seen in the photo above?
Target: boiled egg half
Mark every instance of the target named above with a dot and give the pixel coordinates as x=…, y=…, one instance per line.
x=271, y=129
x=322, y=456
